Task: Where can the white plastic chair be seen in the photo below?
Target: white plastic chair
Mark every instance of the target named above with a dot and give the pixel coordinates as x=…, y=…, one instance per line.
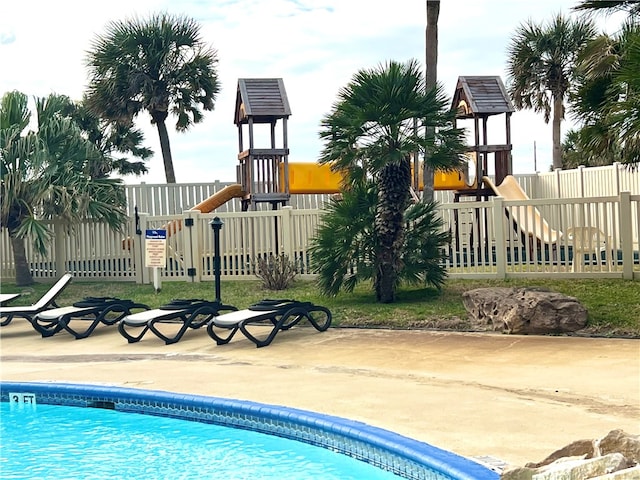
x=588, y=241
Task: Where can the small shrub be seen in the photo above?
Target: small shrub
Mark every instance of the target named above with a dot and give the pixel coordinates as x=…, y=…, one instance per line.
x=276, y=271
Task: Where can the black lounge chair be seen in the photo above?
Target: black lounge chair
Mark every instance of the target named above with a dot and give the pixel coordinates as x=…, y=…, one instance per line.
x=189, y=314
x=91, y=312
x=277, y=314
x=47, y=301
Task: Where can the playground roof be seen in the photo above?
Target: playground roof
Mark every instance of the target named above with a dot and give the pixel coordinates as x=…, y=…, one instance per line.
x=481, y=96
x=264, y=100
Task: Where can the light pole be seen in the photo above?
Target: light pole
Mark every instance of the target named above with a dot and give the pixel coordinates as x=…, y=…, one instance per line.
x=216, y=225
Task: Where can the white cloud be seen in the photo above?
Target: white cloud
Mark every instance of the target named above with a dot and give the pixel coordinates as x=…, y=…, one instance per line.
x=315, y=46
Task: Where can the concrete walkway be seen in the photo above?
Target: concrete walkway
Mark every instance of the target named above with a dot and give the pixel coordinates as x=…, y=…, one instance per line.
x=513, y=398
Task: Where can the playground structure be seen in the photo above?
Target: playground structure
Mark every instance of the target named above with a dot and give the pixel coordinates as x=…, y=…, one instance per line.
x=477, y=98
x=262, y=101
x=265, y=175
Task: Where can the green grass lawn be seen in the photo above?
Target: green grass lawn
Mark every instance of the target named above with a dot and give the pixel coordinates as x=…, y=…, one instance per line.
x=613, y=305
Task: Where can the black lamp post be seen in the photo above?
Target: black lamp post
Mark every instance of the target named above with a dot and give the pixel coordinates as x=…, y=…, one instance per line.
x=216, y=225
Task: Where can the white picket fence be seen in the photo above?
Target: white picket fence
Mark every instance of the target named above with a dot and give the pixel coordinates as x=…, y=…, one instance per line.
x=485, y=242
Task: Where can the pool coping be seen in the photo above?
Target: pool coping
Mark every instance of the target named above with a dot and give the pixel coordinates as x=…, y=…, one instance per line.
x=403, y=456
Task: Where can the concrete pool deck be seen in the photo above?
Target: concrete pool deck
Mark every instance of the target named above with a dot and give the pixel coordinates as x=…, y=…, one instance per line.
x=512, y=398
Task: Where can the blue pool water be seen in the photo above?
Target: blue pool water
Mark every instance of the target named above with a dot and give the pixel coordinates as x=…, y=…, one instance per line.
x=58, y=442
x=176, y=449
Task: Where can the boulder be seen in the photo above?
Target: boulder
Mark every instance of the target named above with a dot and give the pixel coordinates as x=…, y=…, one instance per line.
x=622, y=442
x=524, y=310
x=581, y=469
x=613, y=457
x=579, y=448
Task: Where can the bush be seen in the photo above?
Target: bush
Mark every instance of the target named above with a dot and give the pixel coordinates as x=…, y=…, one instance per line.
x=276, y=271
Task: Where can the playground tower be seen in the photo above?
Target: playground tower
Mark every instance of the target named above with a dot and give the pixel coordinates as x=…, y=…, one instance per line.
x=262, y=101
x=478, y=98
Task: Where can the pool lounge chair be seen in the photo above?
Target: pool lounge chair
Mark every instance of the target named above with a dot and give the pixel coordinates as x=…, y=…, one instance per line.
x=47, y=301
x=7, y=297
x=90, y=312
x=278, y=315
x=187, y=314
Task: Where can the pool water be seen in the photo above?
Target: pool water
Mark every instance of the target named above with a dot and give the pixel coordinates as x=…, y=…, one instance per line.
x=59, y=442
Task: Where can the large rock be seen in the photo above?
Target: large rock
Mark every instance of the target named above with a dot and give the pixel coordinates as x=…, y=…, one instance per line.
x=579, y=448
x=524, y=310
x=613, y=457
x=622, y=442
x=581, y=469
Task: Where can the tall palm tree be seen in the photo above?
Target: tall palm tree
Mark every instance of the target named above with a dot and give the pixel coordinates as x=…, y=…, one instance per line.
x=160, y=65
x=378, y=121
x=44, y=175
x=431, y=59
x=540, y=68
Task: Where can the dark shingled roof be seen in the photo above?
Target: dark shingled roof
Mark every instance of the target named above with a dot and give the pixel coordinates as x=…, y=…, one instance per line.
x=483, y=95
x=262, y=99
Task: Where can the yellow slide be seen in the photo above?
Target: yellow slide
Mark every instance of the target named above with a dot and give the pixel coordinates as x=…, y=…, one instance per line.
x=208, y=205
x=205, y=206
x=219, y=198
x=527, y=217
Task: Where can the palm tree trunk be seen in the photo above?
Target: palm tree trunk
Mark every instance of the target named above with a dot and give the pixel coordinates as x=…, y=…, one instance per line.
x=431, y=53
x=166, y=151
x=393, y=196
x=558, y=115
x=23, y=273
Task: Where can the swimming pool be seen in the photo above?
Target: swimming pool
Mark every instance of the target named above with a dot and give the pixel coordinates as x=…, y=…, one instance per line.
x=402, y=456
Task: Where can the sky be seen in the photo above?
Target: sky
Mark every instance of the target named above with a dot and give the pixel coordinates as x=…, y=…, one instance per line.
x=315, y=46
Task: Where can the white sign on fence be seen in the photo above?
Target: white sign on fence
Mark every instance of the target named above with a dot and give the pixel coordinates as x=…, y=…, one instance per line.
x=155, y=248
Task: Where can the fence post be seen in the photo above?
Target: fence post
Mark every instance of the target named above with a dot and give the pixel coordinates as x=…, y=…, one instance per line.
x=130, y=242
x=626, y=235
x=501, y=243
x=287, y=232
x=559, y=190
x=191, y=236
x=59, y=251
x=581, y=178
x=142, y=273
x=143, y=201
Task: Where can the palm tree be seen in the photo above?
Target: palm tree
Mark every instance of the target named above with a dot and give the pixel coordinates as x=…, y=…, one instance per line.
x=607, y=98
x=431, y=59
x=344, y=249
x=160, y=65
x=378, y=121
x=116, y=143
x=44, y=175
x=540, y=68
x=609, y=6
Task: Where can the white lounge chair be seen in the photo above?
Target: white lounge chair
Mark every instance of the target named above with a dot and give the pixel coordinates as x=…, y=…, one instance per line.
x=277, y=314
x=188, y=314
x=90, y=312
x=47, y=301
